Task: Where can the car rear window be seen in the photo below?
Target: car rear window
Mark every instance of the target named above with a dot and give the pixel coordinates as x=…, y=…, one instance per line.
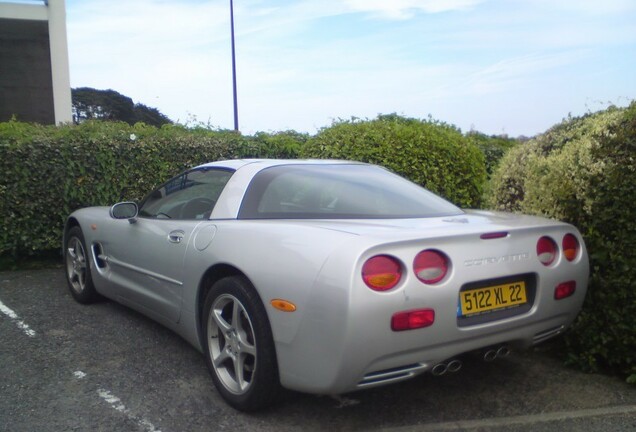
x=338, y=191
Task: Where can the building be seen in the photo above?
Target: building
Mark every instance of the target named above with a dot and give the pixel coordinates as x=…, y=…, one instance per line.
x=34, y=68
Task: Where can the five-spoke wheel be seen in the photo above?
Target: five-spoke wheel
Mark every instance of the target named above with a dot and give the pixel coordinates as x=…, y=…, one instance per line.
x=239, y=346
x=78, y=272
x=231, y=343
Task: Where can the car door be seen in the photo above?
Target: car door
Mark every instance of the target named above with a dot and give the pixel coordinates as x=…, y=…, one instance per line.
x=148, y=260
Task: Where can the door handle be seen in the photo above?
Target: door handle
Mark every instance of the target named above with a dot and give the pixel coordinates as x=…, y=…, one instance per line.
x=176, y=236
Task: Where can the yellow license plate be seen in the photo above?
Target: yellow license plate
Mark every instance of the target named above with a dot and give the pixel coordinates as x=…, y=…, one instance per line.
x=492, y=298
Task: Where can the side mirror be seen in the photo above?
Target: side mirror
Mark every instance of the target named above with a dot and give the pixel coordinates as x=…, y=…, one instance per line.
x=125, y=210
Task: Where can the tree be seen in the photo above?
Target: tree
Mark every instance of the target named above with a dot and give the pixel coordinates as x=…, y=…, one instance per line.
x=94, y=104
x=150, y=116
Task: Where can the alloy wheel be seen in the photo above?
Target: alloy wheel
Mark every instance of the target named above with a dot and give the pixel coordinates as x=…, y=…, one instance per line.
x=232, y=344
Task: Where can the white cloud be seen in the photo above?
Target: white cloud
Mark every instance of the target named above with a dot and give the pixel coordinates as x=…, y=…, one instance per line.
x=404, y=9
x=508, y=74
x=590, y=7
x=304, y=62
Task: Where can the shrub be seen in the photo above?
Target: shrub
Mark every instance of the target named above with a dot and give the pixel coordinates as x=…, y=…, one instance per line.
x=284, y=145
x=50, y=171
x=526, y=163
x=583, y=171
x=606, y=331
x=430, y=153
x=493, y=147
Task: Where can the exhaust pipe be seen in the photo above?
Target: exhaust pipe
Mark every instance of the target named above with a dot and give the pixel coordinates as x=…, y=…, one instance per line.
x=503, y=351
x=494, y=353
x=452, y=366
x=490, y=355
x=439, y=369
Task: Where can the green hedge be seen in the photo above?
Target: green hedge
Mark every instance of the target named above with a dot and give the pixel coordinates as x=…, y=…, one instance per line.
x=492, y=146
x=50, y=171
x=283, y=145
x=584, y=171
x=432, y=154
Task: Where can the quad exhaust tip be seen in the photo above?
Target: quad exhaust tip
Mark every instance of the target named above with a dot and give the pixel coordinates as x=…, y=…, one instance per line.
x=494, y=353
x=451, y=366
x=455, y=365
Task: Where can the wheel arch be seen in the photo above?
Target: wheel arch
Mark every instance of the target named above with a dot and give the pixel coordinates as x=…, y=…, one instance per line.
x=70, y=223
x=209, y=278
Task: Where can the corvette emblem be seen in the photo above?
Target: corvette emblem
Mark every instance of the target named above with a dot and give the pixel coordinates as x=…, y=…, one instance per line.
x=497, y=260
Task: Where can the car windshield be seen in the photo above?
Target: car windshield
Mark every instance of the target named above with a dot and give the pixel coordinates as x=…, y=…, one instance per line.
x=338, y=191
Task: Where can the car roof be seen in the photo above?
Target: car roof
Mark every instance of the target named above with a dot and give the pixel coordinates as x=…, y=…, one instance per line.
x=236, y=164
x=230, y=200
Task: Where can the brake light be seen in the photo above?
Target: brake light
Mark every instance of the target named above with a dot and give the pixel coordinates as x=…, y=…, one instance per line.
x=430, y=266
x=570, y=247
x=410, y=320
x=565, y=289
x=546, y=250
x=382, y=272
x=494, y=235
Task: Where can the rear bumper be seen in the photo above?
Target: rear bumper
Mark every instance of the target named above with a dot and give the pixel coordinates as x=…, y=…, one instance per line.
x=402, y=366
x=347, y=344
x=385, y=361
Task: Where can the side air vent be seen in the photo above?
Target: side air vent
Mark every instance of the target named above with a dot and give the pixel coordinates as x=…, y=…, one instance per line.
x=98, y=255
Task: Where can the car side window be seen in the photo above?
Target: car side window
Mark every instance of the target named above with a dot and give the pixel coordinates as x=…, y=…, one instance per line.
x=191, y=195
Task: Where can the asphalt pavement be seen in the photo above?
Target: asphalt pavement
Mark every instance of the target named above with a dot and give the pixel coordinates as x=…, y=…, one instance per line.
x=103, y=367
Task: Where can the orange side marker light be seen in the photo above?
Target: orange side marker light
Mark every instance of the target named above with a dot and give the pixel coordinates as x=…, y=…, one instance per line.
x=283, y=305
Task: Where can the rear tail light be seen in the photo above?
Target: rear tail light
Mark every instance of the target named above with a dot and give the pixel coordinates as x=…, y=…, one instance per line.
x=570, y=247
x=546, y=250
x=410, y=320
x=430, y=266
x=381, y=273
x=565, y=289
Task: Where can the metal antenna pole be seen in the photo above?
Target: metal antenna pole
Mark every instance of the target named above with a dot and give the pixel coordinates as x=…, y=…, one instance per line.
x=236, y=125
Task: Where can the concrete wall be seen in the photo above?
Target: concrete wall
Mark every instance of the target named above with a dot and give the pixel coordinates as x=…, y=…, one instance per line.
x=26, y=85
x=34, y=70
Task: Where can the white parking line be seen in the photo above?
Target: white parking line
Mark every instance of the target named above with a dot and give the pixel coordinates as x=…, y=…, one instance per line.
x=526, y=420
x=113, y=401
x=14, y=317
x=116, y=404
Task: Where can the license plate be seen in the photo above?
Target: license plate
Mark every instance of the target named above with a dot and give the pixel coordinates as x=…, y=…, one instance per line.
x=488, y=299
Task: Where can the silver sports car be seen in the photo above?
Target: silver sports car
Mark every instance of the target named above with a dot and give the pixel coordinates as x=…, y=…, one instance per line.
x=325, y=276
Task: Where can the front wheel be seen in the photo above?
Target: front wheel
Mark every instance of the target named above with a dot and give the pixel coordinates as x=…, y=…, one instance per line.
x=78, y=269
x=239, y=346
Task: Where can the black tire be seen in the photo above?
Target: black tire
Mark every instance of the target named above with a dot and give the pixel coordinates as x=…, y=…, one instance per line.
x=238, y=345
x=77, y=267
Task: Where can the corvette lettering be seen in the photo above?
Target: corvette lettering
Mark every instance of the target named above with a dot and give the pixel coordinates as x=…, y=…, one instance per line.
x=497, y=260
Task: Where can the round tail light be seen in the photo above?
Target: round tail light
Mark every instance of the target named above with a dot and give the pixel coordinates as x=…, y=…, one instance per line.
x=546, y=250
x=381, y=273
x=430, y=266
x=570, y=247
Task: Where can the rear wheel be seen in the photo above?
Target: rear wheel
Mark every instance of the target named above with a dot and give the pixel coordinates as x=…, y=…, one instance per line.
x=77, y=265
x=239, y=347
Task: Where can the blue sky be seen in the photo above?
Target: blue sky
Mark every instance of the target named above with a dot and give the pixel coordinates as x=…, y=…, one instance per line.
x=497, y=66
